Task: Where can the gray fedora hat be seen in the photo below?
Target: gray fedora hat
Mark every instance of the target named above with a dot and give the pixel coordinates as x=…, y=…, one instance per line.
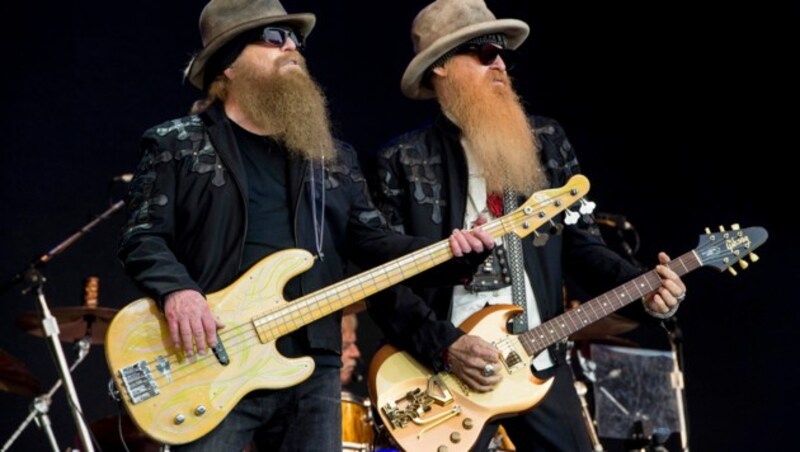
x=444, y=25
x=223, y=20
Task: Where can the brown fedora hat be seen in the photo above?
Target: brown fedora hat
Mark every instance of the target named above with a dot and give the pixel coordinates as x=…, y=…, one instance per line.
x=444, y=25
x=223, y=20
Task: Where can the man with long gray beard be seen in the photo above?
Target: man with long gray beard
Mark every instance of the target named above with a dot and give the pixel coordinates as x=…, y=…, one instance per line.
x=253, y=171
x=481, y=154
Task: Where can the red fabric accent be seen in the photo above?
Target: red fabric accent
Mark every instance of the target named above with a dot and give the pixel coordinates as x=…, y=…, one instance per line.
x=446, y=359
x=495, y=204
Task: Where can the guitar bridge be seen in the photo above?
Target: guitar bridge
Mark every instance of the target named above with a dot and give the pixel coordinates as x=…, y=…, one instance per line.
x=138, y=381
x=412, y=407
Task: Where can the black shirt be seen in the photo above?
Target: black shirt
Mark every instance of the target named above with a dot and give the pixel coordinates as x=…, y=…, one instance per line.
x=269, y=224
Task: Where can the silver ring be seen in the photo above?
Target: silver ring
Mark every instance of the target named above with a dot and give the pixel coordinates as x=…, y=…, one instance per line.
x=681, y=297
x=488, y=370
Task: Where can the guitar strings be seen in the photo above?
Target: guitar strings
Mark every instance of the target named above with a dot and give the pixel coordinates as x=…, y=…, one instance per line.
x=651, y=278
x=285, y=320
x=287, y=314
x=552, y=331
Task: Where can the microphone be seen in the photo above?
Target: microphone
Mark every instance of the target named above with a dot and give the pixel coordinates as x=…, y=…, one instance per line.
x=613, y=220
x=126, y=178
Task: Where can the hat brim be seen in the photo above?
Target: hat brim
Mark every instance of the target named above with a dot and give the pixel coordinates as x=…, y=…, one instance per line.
x=303, y=22
x=516, y=31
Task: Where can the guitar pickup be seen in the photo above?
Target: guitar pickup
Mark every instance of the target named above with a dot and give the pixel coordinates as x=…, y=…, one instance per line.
x=509, y=355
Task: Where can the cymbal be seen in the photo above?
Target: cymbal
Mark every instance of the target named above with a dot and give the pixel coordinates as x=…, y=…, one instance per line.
x=15, y=377
x=73, y=322
x=605, y=330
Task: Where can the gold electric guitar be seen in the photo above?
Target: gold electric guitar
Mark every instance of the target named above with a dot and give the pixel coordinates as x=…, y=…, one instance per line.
x=175, y=400
x=423, y=411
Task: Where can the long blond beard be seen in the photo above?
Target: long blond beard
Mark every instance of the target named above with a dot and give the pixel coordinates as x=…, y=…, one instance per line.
x=291, y=103
x=496, y=130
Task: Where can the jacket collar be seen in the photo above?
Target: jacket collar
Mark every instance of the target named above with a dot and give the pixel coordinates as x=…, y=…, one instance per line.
x=220, y=133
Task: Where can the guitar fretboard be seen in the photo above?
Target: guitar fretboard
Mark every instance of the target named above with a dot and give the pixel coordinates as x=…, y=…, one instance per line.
x=325, y=301
x=539, y=338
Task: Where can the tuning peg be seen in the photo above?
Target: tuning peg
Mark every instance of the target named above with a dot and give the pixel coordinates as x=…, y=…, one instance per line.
x=754, y=257
x=571, y=217
x=555, y=228
x=708, y=231
x=732, y=271
x=587, y=207
x=735, y=227
x=743, y=264
x=721, y=228
x=540, y=238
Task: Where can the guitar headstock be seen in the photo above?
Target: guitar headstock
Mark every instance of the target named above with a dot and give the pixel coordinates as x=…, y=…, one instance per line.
x=723, y=249
x=544, y=205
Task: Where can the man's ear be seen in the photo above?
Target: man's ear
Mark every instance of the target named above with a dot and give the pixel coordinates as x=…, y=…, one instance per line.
x=229, y=72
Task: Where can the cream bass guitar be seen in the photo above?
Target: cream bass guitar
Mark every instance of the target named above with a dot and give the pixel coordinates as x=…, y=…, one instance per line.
x=176, y=400
x=423, y=411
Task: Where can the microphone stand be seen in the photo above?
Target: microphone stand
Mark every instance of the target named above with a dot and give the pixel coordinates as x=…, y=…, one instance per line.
x=48, y=256
x=50, y=326
x=51, y=331
x=41, y=404
x=675, y=336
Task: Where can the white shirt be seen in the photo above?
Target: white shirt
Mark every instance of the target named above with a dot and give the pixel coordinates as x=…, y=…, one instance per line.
x=465, y=302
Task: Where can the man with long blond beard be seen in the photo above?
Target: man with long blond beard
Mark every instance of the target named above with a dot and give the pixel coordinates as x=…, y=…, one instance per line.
x=255, y=170
x=482, y=154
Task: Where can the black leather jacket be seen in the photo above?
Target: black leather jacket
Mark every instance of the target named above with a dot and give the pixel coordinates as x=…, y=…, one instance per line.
x=421, y=188
x=187, y=215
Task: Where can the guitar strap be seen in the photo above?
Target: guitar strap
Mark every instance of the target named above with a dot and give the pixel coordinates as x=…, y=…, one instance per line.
x=513, y=246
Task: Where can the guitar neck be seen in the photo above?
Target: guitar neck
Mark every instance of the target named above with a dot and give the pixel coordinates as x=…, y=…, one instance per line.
x=558, y=328
x=325, y=301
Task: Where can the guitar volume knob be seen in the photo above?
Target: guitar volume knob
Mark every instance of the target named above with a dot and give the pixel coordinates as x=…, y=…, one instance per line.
x=467, y=424
x=179, y=419
x=455, y=437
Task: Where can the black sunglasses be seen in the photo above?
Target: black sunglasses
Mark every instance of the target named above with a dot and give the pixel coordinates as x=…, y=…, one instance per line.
x=277, y=36
x=488, y=52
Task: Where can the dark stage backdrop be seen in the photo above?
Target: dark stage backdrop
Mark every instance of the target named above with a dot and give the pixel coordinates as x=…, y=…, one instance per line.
x=680, y=113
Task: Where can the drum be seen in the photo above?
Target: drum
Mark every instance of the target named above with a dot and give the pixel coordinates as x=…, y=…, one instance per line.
x=358, y=431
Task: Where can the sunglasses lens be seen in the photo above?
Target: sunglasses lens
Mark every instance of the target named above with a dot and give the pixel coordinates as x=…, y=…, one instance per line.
x=488, y=53
x=278, y=36
x=274, y=36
